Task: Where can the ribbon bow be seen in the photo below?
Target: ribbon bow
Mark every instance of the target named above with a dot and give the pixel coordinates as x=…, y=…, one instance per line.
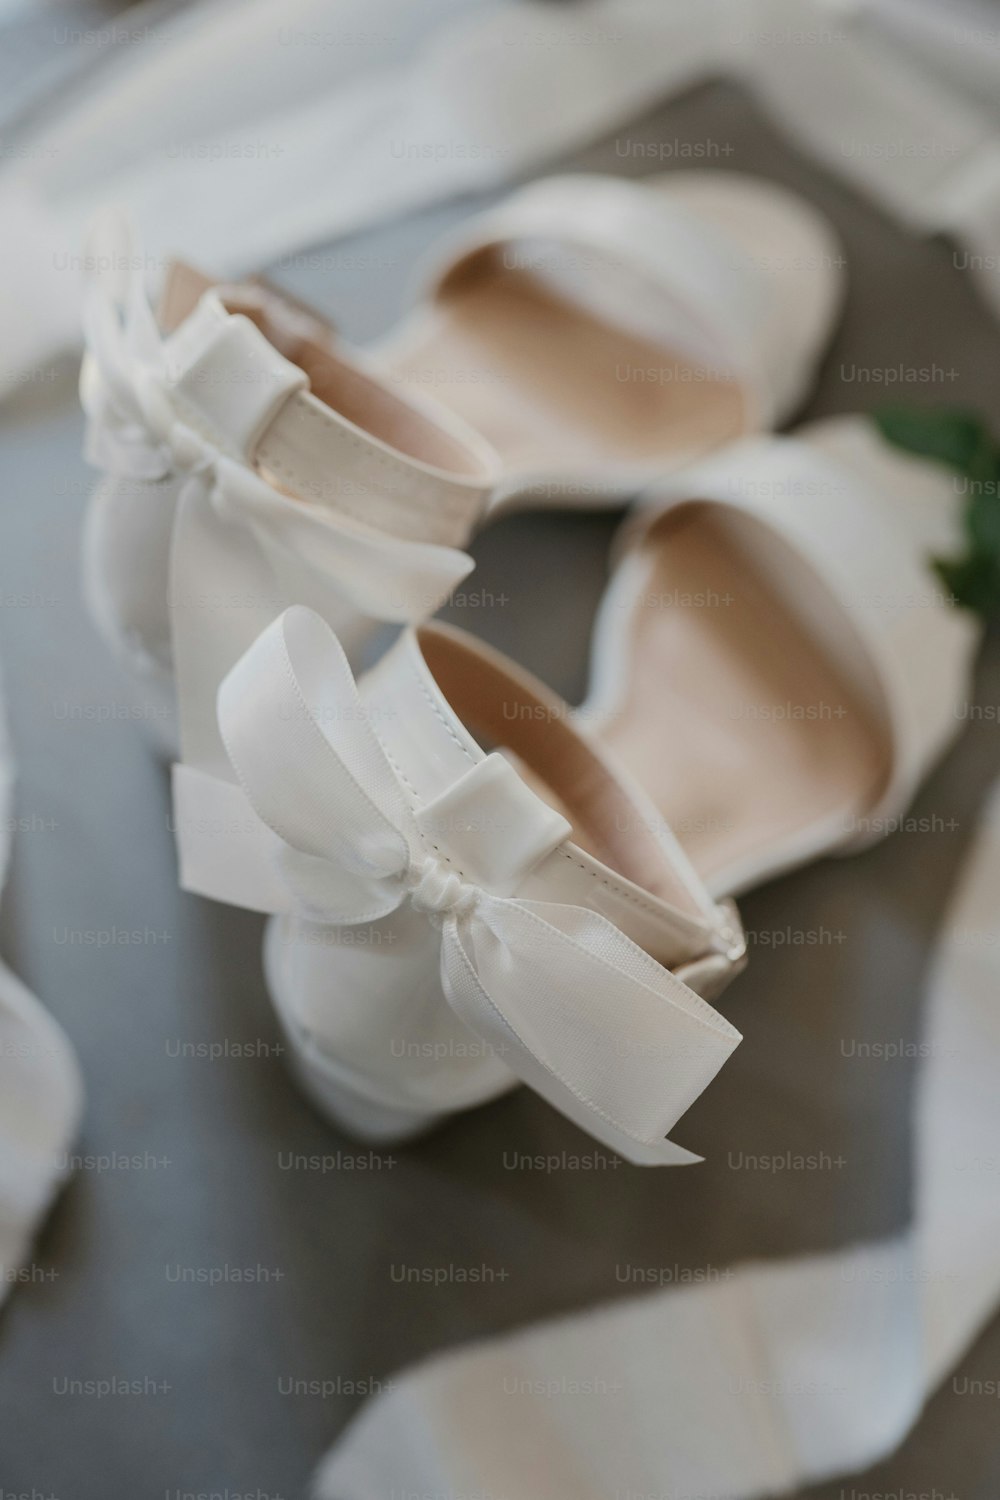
x=318, y=824
x=242, y=549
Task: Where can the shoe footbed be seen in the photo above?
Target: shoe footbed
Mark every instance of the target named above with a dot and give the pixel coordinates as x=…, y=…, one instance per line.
x=734, y=720
x=551, y=386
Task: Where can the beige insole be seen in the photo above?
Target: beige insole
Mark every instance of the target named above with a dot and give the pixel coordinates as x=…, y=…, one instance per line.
x=506, y=710
x=736, y=724
x=551, y=386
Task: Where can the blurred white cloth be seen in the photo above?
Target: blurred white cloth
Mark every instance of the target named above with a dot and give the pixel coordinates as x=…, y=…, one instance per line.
x=41, y=1094
x=785, y=1374
x=236, y=133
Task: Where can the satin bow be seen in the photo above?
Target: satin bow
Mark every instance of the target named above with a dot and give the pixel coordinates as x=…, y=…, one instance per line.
x=242, y=549
x=321, y=827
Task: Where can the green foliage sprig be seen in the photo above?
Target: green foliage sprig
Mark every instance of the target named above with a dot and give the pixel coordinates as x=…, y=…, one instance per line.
x=962, y=441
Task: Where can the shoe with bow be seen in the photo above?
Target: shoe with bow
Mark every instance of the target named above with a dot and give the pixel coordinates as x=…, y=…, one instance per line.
x=448, y=921
x=252, y=462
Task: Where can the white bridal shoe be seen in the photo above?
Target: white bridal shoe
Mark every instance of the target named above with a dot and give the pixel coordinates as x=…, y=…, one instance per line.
x=250, y=464
x=442, y=930
x=598, y=331
x=776, y=604
x=774, y=662
x=601, y=332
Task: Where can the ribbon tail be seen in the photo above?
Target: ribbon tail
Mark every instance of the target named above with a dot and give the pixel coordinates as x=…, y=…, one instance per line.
x=224, y=850
x=309, y=819
x=606, y=1035
x=228, y=853
x=380, y=576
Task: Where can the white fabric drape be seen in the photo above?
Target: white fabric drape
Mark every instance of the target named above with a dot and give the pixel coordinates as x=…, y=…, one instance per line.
x=784, y=1374
x=335, y=116
x=40, y=1089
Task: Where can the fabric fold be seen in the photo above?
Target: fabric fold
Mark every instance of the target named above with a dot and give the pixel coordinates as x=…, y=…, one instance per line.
x=41, y=1091
x=781, y=1374
x=411, y=128
x=554, y=988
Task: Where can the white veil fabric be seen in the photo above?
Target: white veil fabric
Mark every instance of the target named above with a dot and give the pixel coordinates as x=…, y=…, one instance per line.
x=41, y=1094
x=782, y=1374
x=237, y=134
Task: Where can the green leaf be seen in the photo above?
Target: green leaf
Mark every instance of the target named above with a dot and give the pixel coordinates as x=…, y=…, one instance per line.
x=961, y=441
x=973, y=582
x=982, y=521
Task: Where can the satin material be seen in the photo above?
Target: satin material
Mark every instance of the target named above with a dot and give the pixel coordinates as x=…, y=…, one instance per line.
x=775, y=1375
x=327, y=833
x=241, y=549
x=892, y=125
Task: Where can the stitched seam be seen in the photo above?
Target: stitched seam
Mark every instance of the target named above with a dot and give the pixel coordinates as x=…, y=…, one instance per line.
x=446, y=857
x=400, y=772
x=589, y=1104
x=437, y=711
x=614, y=887
x=419, y=796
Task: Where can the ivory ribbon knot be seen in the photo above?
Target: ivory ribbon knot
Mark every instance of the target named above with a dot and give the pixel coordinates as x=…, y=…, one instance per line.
x=438, y=891
x=319, y=826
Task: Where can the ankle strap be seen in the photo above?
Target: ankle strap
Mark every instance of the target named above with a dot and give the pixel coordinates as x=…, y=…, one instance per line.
x=350, y=444
x=199, y=409
x=321, y=826
x=439, y=695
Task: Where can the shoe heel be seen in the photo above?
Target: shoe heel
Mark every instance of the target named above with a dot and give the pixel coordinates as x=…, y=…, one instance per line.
x=372, y=1042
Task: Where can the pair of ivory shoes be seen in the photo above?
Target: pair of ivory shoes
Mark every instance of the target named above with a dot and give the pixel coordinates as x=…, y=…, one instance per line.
x=469, y=883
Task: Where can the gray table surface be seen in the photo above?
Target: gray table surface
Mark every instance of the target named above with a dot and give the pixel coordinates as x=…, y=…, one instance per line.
x=95, y=854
